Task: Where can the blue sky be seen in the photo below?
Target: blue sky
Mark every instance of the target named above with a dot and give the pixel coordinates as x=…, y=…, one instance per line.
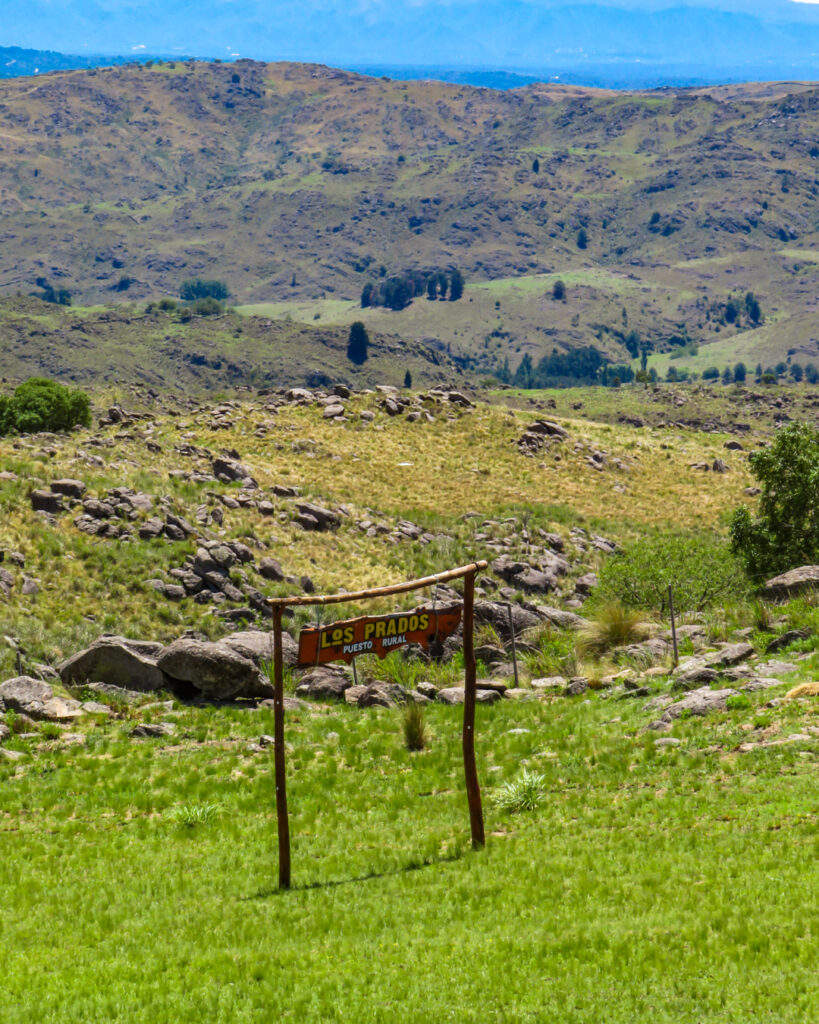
x=508, y=33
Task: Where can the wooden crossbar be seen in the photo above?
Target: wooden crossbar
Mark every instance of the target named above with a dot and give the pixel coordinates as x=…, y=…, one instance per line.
x=395, y=588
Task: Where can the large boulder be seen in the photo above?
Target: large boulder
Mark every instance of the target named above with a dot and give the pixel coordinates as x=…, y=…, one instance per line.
x=497, y=615
x=257, y=646
x=36, y=699
x=698, y=702
x=324, y=683
x=214, y=668
x=794, y=582
x=729, y=654
x=129, y=664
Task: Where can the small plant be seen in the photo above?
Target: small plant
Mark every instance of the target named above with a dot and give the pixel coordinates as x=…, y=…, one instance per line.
x=16, y=722
x=524, y=793
x=50, y=731
x=737, y=701
x=613, y=626
x=762, y=617
x=194, y=815
x=414, y=726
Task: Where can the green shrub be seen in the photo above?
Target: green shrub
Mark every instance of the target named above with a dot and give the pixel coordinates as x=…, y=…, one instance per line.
x=613, y=626
x=700, y=567
x=737, y=701
x=207, y=307
x=785, y=531
x=524, y=793
x=414, y=726
x=41, y=404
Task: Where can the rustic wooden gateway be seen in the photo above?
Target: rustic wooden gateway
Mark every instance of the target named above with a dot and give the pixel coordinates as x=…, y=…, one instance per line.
x=379, y=635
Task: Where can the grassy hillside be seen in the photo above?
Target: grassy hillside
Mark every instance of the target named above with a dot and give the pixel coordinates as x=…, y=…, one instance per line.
x=296, y=184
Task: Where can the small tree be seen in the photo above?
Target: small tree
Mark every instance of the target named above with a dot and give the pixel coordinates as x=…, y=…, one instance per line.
x=785, y=531
x=199, y=288
x=535, y=165
x=407, y=379
x=358, y=343
x=727, y=376
x=432, y=287
x=796, y=372
x=456, y=285
x=559, y=291
x=367, y=295
x=582, y=239
x=740, y=373
x=443, y=284
x=42, y=404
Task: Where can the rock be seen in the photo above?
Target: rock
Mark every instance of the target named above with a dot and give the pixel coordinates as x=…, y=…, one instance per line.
x=270, y=569
x=586, y=584
x=323, y=518
x=331, y=411
x=151, y=529
x=229, y=470
x=557, y=683
x=92, y=707
x=561, y=618
x=12, y=755
x=694, y=677
x=116, y=693
x=667, y=741
x=720, y=466
x=46, y=501
x=257, y=645
x=730, y=654
x=776, y=668
x=789, y=584
x=451, y=695
x=127, y=664
x=487, y=696
x=5, y=732
x=323, y=683
x=535, y=581
x=352, y=693
x=492, y=684
x=214, y=668
x=36, y=699
x=153, y=730
x=427, y=689
x=497, y=615
x=758, y=683
x=382, y=695
x=577, y=686
x=6, y=582
x=70, y=488
x=786, y=639
x=698, y=702
x=733, y=446
x=30, y=587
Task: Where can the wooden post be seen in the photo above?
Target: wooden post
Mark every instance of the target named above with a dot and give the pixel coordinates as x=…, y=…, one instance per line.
x=278, y=736
x=673, y=625
x=473, y=790
x=514, y=645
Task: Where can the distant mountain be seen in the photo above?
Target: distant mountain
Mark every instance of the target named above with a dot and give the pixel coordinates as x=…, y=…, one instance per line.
x=715, y=38
x=15, y=62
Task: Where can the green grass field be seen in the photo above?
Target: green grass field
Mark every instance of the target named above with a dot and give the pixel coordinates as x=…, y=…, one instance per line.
x=648, y=885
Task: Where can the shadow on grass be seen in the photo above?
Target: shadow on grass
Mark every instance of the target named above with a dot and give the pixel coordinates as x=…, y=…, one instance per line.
x=263, y=894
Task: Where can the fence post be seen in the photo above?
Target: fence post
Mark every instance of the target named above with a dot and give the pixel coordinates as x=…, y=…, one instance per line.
x=278, y=736
x=673, y=625
x=473, y=790
x=514, y=645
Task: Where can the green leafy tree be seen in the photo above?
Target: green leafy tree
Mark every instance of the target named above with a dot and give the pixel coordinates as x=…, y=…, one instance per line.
x=784, y=533
x=358, y=343
x=367, y=295
x=700, y=567
x=740, y=373
x=456, y=285
x=710, y=373
x=559, y=291
x=199, y=288
x=797, y=372
x=407, y=379
x=41, y=404
x=582, y=239
x=727, y=375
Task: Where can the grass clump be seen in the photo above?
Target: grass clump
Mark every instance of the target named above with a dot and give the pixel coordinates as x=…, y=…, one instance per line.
x=524, y=793
x=613, y=626
x=194, y=815
x=414, y=726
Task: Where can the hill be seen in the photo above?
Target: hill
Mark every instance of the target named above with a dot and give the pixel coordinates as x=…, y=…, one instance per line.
x=299, y=183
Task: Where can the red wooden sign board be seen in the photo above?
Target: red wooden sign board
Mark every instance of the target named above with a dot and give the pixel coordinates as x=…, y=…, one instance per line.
x=376, y=634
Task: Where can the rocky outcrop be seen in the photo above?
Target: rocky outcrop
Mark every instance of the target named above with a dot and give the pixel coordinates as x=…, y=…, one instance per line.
x=129, y=664
x=213, y=668
x=36, y=699
x=791, y=583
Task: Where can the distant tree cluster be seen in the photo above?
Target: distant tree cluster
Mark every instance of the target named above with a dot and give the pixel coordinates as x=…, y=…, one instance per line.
x=560, y=369
x=59, y=296
x=738, y=311
x=41, y=404
x=768, y=375
x=199, y=288
x=398, y=291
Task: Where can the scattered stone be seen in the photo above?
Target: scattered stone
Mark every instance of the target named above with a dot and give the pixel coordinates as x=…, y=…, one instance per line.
x=92, y=707
x=786, y=639
x=36, y=699
x=667, y=741
x=699, y=702
x=315, y=517
x=730, y=654
x=556, y=683
x=46, y=501
x=153, y=730
x=70, y=488
x=450, y=695
x=229, y=470
x=577, y=686
x=693, y=677
x=324, y=683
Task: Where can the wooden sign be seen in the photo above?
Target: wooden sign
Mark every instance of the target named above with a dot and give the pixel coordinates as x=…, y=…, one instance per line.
x=378, y=634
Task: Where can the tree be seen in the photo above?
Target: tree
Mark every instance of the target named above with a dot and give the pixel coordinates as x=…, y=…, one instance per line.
x=42, y=404
x=752, y=308
x=367, y=295
x=740, y=373
x=432, y=287
x=710, y=373
x=199, y=288
x=582, y=239
x=727, y=376
x=407, y=379
x=443, y=284
x=784, y=533
x=535, y=165
x=811, y=373
x=456, y=285
x=796, y=372
x=523, y=374
x=559, y=291
x=358, y=343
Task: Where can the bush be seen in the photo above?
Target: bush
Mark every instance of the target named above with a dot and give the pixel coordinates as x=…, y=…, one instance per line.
x=199, y=288
x=357, y=343
x=524, y=793
x=207, y=307
x=785, y=531
x=700, y=566
x=414, y=726
x=40, y=404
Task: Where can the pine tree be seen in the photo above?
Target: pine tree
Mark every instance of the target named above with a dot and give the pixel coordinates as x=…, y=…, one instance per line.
x=358, y=343
x=456, y=285
x=407, y=379
x=432, y=287
x=582, y=239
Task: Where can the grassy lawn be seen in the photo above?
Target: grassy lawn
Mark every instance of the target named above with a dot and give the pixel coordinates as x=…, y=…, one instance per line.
x=649, y=885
